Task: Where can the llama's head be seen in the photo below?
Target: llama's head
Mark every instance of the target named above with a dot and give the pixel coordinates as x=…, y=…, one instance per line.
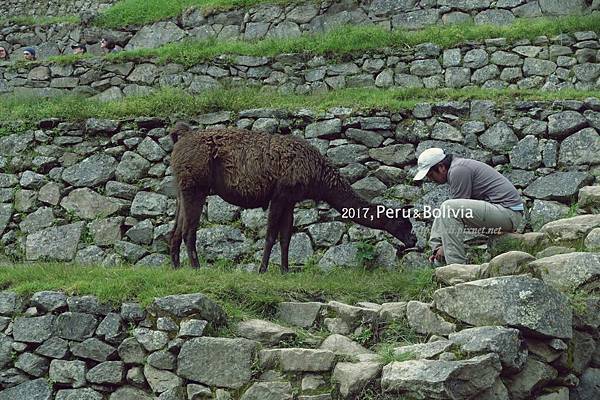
x=401, y=229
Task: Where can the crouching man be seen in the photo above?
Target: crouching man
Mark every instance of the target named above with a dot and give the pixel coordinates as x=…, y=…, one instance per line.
x=481, y=198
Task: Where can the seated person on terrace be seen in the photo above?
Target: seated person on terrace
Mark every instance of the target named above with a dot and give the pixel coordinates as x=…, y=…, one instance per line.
x=481, y=198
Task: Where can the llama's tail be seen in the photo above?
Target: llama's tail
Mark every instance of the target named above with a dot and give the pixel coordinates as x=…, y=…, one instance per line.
x=180, y=128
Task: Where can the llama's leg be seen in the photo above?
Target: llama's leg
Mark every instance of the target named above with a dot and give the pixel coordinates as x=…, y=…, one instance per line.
x=175, y=240
x=273, y=224
x=285, y=235
x=192, y=202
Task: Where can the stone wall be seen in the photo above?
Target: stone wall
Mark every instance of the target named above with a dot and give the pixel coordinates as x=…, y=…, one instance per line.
x=51, y=8
x=563, y=62
x=100, y=191
x=276, y=21
x=508, y=337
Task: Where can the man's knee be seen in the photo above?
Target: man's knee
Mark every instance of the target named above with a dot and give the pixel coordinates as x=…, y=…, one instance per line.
x=452, y=204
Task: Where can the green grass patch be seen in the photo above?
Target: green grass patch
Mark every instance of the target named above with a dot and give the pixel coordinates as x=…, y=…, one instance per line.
x=40, y=21
x=357, y=39
x=242, y=294
x=141, y=12
x=175, y=103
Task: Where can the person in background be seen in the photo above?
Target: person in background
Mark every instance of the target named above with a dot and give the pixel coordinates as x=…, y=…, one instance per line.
x=108, y=45
x=79, y=49
x=29, y=54
x=3, y=54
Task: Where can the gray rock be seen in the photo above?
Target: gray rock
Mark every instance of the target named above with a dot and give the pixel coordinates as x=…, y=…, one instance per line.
x=150, y=339
x=306, y=360
x=570, y=229
x=581, y=148
x=425, y=67
x=559, y=7
x=588, y=385
x=221, y=212
x=441, y=379
x=300, y=250
x=92, y=171
x=505, y=59
x=189, y=304
x=268, y=391
x=510, y=301
x=565, y=123
x=494, y=17
x=33, y=329
x=421, y=351
x=561, y=186
x=422, y=319
x=106, y=373
x=142, y=232
x=509, y=263
x=505, y=342
x=323, y=128
x=499, y=138
x=156, y=35
x=107, y=231
x=54, y=348
x=95, y=126
x=68, y=372
x=444, y=131
x=534, y=66
x=340, y=255
x=93, y=349
x=160, y=381
x=148, y=204
x=162, y=360
x=87, y=204
x=55, y=243
x=120, y=190
x=88, y=304
x=41, y=218
x=227, y=362
x=534, y=376
x=37, y=389
x=75, y=326
x=415, y=19
x=131, y=351
x=32, y=364
x=569, y=272
x=586, y=72
x=354, y=377
x=475, y=58
x=544, y=211
x=192, y=328
x=458, y=273
x=32, y=180
x=132, y=167
x=394, y=155
x=265, y=332
x=526, y=154
x=49, y=301
x=592, y=240
x=78, y=394
x=111, y=328
x=457, y=77
x=302, y=315
x=221, y=241
x=343, y=346
x=130, y=393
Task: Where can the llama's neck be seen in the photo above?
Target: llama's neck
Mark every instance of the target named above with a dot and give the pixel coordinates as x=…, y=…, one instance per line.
x=340, y=195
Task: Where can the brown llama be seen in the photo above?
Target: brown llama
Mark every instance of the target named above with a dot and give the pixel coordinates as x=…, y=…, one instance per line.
x=254, y=169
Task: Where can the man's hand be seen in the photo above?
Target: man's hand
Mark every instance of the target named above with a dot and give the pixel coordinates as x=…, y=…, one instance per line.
x=438, y=254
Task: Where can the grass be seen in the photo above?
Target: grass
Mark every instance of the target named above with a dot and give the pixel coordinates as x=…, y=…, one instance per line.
x=242, y=294
x=141, y=12
x=175, y=103
x=39, y=21
x=359, y=39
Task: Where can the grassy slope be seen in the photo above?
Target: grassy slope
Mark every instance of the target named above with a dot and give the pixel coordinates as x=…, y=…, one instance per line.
x=356, y=39
x=243, y=294
x=175, y=103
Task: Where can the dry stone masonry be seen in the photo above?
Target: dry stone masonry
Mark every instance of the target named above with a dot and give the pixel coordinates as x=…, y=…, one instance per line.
x=100, y=191
x=508, y=337
x=268, y=20
x=547, y=63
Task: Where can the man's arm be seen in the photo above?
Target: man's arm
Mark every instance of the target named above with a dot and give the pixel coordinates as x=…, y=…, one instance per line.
x=460, y=182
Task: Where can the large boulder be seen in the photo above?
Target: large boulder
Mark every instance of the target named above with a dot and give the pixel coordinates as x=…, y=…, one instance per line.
x=569, y=272
x=517, y=301
x=505, y=342
x=561, y=186
x=570, y=229
x=57, y=243
x=225, y=362
x=434, y=379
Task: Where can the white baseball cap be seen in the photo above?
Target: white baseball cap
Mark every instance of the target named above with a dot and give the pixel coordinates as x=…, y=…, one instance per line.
x=426, y=160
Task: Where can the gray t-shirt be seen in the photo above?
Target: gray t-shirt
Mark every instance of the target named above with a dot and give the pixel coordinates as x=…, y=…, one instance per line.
x=471, y=179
